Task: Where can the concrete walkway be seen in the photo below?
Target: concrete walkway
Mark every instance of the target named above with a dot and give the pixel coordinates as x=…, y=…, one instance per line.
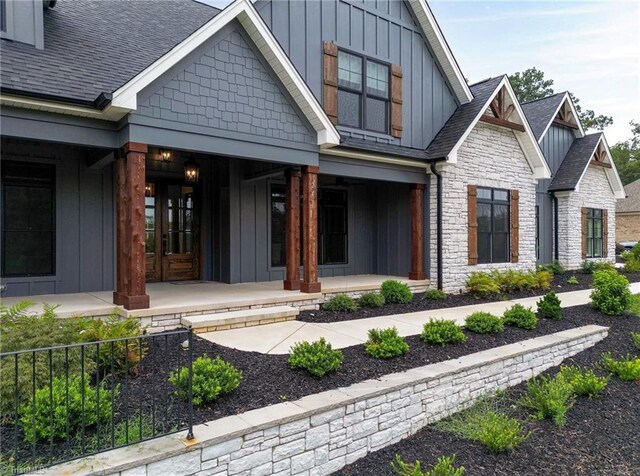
x=278, y=338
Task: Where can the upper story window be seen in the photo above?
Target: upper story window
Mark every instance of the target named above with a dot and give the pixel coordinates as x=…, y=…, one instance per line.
x=3, y=16
x=363, y=93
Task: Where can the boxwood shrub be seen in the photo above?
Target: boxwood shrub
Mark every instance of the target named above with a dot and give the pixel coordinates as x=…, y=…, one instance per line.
x=520, y=316
x=442, y=332
x=372, y=299
x=395, y=292
x=340, y=303
x=549, y=307
x=317, y=358
x=610, y=293
x=484, y=323
x=386, y=343
x=211, y=379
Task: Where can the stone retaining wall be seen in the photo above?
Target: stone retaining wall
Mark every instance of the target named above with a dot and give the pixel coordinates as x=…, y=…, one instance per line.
x=321, y=433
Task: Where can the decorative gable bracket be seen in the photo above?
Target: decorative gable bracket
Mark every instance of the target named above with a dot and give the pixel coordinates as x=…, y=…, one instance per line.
x=501, y=113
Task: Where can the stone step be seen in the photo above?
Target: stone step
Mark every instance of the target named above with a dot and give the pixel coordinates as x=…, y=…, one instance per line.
x=243, y=318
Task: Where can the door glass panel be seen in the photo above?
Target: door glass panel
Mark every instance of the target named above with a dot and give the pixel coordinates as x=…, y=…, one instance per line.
x=180, y=230
x=149, y=218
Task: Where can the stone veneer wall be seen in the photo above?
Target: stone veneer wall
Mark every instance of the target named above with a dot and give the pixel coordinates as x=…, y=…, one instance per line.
x=627, y=227
x=490, y=157
x=594, y=191
x=319, y=434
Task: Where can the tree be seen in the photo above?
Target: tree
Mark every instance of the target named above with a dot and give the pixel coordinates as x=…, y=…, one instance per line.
x=531, y=84
x=626, y=156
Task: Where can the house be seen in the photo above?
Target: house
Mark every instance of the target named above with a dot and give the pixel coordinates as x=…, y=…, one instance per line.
x=270, y=141
x=575, y=208
x=628, y=214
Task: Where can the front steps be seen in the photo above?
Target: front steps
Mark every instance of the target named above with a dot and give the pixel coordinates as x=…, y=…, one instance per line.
x=243, y=318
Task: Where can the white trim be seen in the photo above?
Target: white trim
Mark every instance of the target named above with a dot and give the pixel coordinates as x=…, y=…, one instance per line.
x=442, y=51
x=110, y=113
x=612, y=173
x=125, y=97
x=526, y=139
x=341, y=152
x=566, y=98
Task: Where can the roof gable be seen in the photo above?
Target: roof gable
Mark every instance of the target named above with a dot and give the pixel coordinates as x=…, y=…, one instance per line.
x=558, y=108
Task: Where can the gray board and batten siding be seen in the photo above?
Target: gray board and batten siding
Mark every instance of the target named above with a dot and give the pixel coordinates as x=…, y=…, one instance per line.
x=555, y=144
x=384, y=30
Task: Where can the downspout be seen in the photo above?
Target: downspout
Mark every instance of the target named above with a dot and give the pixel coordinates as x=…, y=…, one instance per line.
x=438, y=175
x=556, y=239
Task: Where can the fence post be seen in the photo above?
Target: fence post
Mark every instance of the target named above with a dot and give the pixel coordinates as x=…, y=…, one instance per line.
x=190, y=339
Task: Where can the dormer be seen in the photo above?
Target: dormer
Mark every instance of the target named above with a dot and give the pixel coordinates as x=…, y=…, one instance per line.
x=23, y=21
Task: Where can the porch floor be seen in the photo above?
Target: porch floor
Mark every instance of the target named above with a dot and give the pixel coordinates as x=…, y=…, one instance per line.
x=191, y=296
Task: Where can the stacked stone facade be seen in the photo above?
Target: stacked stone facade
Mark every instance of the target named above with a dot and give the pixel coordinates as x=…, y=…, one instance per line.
x=594, y=191
x=489, y=157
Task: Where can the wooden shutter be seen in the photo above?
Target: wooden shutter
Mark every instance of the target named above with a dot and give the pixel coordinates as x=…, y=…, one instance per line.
x=472, y=204
x=330, y=90
x=515, y=225
x=584, y=233
x=605, y=233
x=396, y=100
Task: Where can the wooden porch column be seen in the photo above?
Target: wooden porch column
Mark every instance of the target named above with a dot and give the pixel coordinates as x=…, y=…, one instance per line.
x=310, y=283
x=292, y=279
x=417, y=227
x=130, y=175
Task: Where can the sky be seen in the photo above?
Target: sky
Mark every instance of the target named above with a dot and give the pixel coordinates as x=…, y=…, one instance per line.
x=591, y=48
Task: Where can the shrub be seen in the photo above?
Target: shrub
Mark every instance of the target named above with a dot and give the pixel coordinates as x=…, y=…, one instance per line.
x=635, y=337
x=318, y=358
x=435, y=294
x=554, y=267
x=626, y=368
x=611, y=293
x=590, y=267
x=386, y=343
x=372, y=299
x=395, y=292
x=211, y=378
x=549, y=307
x=442, y=332
x=572, y=280
x=340, y=303
x=444, y=467
x=632, y=265
x=549, y=398
x=520, y=316
x=484, y=323
x=482, y=284
x=544, y=279
x=584, y=381
x=46, y=416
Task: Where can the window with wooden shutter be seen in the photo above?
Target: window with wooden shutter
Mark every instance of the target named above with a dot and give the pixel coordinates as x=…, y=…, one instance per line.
x=472, y=204
x=584, y=232
x=515, y=225
x=605, y=233
x=396, y=100
x=330, y=89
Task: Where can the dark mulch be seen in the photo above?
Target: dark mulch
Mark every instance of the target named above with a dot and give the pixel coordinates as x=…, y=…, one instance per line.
x=601, y=436
x=420, y=303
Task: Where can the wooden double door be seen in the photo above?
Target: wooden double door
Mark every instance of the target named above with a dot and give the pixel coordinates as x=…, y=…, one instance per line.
x=172, y=238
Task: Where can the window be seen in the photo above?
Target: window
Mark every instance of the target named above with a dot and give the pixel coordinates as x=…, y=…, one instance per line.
x=594, y=233
x=28, y=219
x=278, y=226
x=363, y=93
x=493, y=225
x=332, y=227
x=3, y=15
x=537, y=232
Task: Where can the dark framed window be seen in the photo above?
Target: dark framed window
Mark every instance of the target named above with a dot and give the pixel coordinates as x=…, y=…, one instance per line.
x=3, y=15
x=28, y=219
x=332, y=227
x=594, y=233
x=493, y=225
x=363, y=92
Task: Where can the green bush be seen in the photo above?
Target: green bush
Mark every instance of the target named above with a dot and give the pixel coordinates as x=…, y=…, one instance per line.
x=340, y=303
x=549, y=307
x=211, y=379
x=554, y=267
x=484, y=323
x=444, y=467
x=611, y=293
x=442, y=332
x=385, y=343
x=372, y=299
x=549, y=398
x=318, y=358
x=482, y=284
x=635, y=337
x=395, y=292
x=632, y=265
x=51, y=411
x=520, y=316
x=625, y=368
x=590, y=267
x=435, y=294
x=573, y=281
x=584, y=381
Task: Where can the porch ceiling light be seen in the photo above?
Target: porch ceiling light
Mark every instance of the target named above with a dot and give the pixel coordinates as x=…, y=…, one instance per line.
x=191, y=171
x=165, y=155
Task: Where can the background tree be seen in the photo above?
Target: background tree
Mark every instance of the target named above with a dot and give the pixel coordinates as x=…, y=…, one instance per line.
x=626, y=155
x=531, y=84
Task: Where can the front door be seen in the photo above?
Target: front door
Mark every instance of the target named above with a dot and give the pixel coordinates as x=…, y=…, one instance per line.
x=171, y=236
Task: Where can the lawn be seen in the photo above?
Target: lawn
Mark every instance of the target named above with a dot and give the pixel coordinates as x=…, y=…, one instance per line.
x=634, y=308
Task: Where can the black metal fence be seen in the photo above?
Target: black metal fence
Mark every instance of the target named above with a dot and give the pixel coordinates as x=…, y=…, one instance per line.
x=65, y=402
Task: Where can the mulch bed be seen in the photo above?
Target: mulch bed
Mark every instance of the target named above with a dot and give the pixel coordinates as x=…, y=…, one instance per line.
x=601, y=436
x=420, y=303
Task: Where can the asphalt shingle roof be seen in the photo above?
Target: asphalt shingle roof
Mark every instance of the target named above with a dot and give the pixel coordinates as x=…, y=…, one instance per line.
x=632, y=202
x=383, y=148
x=96, y=46
x=574, y=163
x=461, y=119
x=541, y=112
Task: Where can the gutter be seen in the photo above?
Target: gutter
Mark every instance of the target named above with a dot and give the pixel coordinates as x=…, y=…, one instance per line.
x=438, y=175
x=100, y=102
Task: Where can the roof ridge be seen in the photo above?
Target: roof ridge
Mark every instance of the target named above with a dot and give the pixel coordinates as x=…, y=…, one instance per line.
x=486, y=80
x=544, y=98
